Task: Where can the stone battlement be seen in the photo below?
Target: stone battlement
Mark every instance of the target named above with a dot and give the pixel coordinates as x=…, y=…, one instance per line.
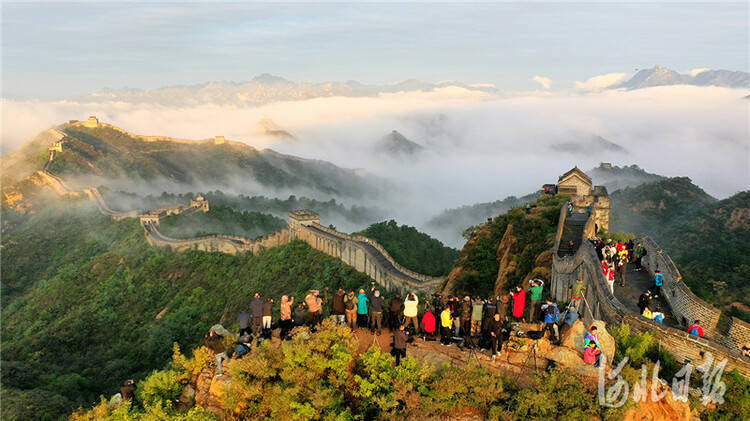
x=600, y=304
x=362, y=253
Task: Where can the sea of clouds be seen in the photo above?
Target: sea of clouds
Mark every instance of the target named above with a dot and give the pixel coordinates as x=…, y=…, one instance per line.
x=478, y=147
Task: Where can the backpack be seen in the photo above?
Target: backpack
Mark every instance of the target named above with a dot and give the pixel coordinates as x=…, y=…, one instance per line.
x=556, y=314
x=349, y=303
x=693, y=331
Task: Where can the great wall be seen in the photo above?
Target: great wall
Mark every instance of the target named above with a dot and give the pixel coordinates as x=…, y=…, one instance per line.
x=682, y=305
x=592, y=207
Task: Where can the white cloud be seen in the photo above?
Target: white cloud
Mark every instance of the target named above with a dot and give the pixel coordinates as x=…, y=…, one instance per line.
x=696, y=72
x=597, y=83
x=692, y=131
x=544, y=81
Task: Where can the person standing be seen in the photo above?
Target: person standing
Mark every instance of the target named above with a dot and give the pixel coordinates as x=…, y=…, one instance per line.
x=362, y=307
x=551, y=318
x=337, y=307
x=477, y=314
x=611, y=280
x=537, y=285
x=411, y=309
x=399, y=344
x=497, y=332
x=576, y=295
x=215, y=343
x=519, y=302
x=640, y=253
x=658, y=282
x=267, y=313
x=314, y=307
x=395, y=308
x=256, y=308
x=286, y=316
x=446, y=322
x=503, y=304
x=376, y=312
x=243, y=319
x=299, y=314
x=622, y=268
x=350, y=308
x=466, y=316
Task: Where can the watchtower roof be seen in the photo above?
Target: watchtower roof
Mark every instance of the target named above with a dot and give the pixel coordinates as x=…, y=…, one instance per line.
x=304, y=215
x=575, y=170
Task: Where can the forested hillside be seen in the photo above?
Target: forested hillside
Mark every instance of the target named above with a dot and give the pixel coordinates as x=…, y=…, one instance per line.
x=508, y=249
x=222, y=220
x=412, y=249
x=87, y=303
x=346, y=218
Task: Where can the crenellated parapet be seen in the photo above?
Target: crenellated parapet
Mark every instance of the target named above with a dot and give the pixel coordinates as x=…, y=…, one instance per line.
x=362, y=253
x=600, y=304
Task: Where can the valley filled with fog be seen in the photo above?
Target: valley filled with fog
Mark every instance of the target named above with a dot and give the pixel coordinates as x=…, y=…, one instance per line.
x=476, y=146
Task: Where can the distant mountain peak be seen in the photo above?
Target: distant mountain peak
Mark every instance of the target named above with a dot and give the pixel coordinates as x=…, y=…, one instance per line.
x=664, y=76
x=269, y=79
x=396, y=144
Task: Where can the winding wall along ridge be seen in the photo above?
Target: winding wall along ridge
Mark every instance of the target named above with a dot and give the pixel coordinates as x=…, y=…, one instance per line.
x=601, y=304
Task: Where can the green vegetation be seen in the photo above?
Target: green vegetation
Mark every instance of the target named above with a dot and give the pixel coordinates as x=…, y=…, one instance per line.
x=221, y=220
x=115, y=155
x=329, y=210
x=319, y=376
x=81, y=294
x=412, y=249
x=534, y=234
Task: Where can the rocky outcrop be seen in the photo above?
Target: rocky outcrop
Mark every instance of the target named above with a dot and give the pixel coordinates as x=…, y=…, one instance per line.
x=666, y=409
x=573, y=339
x=458, y=270
x=506, y=259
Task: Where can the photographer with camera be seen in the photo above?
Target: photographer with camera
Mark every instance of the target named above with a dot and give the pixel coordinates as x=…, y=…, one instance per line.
x=411, y=310
x=400, y=337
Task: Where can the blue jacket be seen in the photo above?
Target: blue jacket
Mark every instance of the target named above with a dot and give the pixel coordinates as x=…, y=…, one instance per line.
x=659, y=279
x=362, y=303
x=551, y=316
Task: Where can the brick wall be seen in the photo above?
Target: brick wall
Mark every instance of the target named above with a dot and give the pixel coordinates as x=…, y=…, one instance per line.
x=600, y=304
x=685, y=305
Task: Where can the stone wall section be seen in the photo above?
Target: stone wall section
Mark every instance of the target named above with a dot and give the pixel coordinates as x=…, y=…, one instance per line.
x=686, y=306
x=365, y=255
x=600, y=304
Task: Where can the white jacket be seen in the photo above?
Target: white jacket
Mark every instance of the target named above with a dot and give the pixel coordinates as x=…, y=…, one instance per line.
x=410, y=307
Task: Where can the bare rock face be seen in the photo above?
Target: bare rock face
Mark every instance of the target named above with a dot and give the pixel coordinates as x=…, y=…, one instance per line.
x=666, y=409
x=565, y=357
x=506, y=259
x=573, y=339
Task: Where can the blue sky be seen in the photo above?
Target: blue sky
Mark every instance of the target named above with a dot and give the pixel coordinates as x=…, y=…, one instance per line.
x=60, y=49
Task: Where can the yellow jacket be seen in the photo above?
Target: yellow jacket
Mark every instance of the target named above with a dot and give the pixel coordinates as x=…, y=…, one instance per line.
x=445, y=319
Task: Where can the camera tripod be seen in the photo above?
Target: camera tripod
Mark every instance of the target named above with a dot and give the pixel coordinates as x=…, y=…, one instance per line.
x=532, y=353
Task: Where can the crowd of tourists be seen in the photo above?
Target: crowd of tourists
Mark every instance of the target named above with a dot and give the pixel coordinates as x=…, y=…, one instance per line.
x=614, y=258
x=469, y=322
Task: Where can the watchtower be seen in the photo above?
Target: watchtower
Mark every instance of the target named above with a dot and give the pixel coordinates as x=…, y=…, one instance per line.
x=199, y=202
x=302, y=218
x=92, y=122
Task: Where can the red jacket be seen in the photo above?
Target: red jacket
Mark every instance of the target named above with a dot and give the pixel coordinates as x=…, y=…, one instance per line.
x=698, y=329
x=428, y=321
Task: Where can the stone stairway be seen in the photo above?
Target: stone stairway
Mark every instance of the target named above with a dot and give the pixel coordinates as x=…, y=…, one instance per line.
x=572, y=231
